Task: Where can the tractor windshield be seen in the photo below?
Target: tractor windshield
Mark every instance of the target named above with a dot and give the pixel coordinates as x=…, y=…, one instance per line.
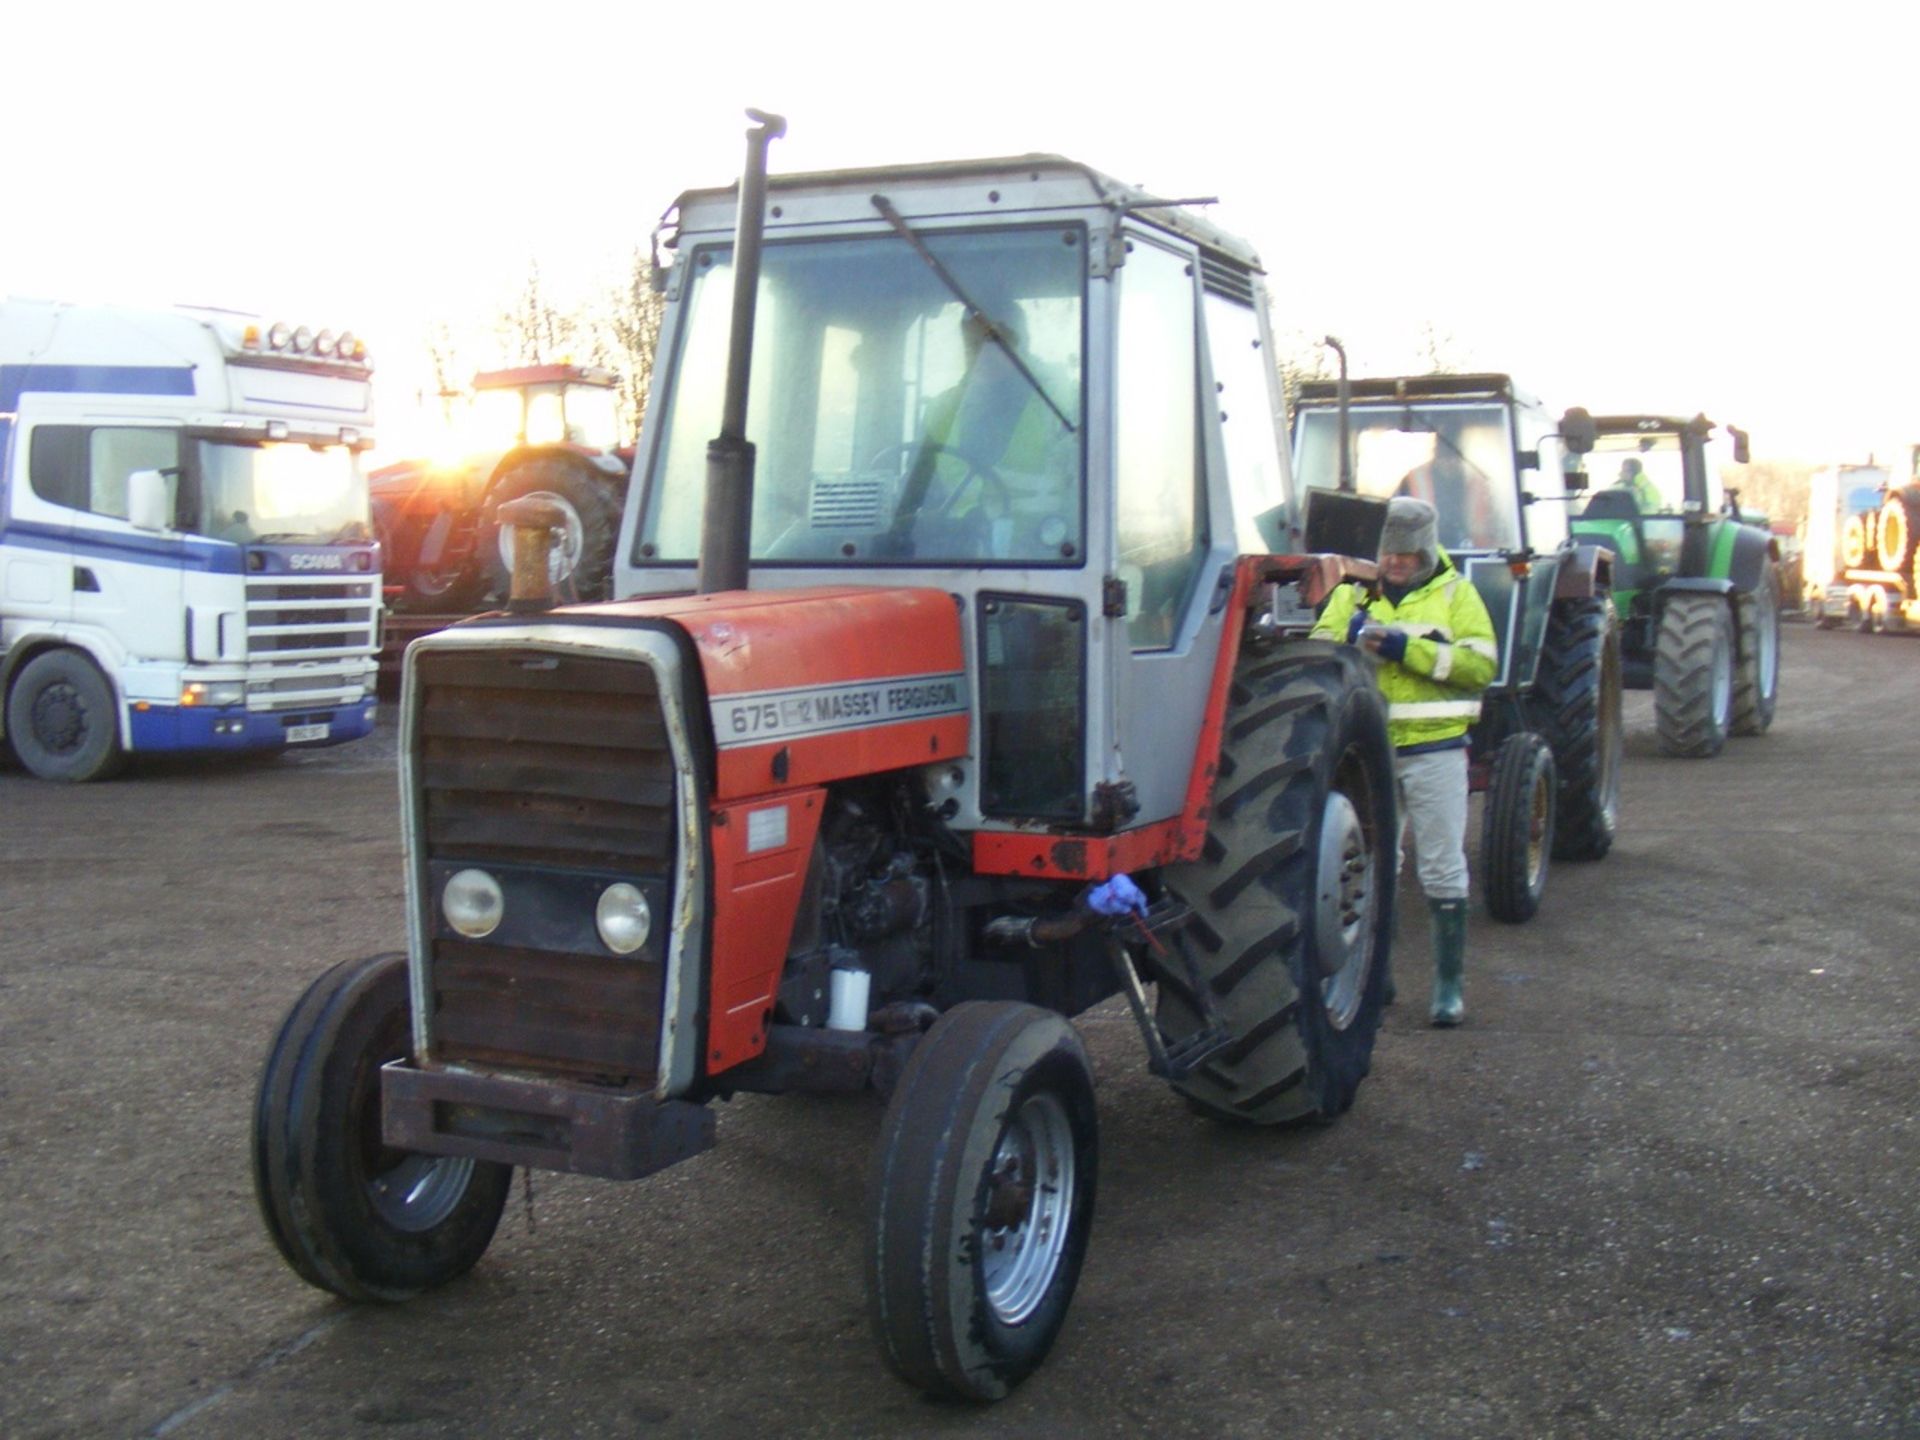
x=1650, y=468
x=890, y=426
x=278, y=491
x=1458, y=457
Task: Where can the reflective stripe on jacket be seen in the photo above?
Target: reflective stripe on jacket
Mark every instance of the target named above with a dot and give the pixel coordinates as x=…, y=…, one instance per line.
x=1433, y=694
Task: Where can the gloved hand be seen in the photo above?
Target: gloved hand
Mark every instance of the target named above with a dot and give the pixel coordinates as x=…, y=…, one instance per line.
x=1355, y=626
x=1387, y=641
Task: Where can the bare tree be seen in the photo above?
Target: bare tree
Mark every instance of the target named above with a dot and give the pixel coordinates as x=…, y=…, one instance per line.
x=533, y=330
x=631, y=324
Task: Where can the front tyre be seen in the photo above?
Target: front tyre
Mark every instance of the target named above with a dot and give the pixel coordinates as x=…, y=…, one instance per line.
x=1756, y=679
x=981, y=1200
x=1292, y=895
x=1517, y=829
x=63, y=720
x=1693, y=675
x=348, y=1213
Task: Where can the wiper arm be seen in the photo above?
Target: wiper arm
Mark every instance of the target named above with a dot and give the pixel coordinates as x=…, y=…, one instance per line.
x=986, y=322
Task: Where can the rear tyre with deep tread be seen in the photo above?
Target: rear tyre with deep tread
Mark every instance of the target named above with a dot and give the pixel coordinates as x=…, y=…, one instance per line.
x=1293, y=893
x=349, y=1214
x=1756, y=676
x=1576, y=705
x=1898, y=530
x=981, y=1200
x=1517, y=828
x=1693, y=675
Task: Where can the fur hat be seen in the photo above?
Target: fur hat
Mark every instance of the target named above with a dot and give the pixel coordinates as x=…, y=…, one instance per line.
x=1410, y=528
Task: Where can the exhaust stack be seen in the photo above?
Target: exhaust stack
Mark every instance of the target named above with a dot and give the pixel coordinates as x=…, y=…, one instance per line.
x=726, y=525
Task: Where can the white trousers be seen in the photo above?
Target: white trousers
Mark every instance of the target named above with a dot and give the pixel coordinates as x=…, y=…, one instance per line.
x=1433, y=800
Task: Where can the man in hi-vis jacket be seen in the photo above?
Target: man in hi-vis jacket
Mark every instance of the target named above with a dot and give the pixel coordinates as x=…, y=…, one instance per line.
x=1429, y=630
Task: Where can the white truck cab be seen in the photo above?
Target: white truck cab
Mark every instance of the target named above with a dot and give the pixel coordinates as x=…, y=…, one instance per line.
x=186, y=561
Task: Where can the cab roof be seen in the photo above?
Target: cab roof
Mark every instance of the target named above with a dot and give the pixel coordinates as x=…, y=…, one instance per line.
x=1085, y=186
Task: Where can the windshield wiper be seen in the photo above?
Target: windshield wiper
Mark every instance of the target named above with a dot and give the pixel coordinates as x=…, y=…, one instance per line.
x=987, y=323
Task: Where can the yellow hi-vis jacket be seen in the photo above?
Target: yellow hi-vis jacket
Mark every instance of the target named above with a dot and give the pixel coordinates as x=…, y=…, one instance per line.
x=1433, y=694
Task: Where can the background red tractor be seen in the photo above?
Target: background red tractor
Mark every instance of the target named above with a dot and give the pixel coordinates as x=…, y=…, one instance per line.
x=546, y=430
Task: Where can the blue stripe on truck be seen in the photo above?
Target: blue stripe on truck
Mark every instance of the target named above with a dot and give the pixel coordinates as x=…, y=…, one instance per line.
x=17, y=380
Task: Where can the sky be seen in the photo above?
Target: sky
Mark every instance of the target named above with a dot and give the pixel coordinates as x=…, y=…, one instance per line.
x=1666, y=208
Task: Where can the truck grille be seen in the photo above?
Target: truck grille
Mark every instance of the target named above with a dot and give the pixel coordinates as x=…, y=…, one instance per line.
x=310, y=641
x=553, y=765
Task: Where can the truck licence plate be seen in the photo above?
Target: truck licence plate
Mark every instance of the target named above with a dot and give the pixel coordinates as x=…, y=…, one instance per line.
x=298, y=733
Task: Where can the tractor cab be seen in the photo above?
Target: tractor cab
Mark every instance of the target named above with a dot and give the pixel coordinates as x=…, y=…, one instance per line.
x=1647, y=479
x=543, y=405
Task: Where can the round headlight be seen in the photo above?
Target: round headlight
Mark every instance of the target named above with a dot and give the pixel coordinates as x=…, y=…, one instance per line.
x=280, y=336
x=624, y=918
x=473, y=904
x=346, y=344
x=302, y=340
x=323, y=343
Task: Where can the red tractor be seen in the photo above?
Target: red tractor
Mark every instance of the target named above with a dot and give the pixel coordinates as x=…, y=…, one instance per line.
x=959, y=685
x=546, y=430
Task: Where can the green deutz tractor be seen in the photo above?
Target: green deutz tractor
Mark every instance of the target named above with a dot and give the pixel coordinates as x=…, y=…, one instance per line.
x=1698, y=587
x=1493, y=463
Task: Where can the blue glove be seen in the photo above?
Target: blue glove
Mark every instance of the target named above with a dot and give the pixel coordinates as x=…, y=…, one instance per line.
x=1355, y=626
x=1118, y=896
x=1393, y=645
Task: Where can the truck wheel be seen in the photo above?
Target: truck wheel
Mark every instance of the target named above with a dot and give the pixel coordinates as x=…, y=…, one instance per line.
x=1575, y=704
x=62, y=719
x=1516, y=834
x=1693, y=675
x=1756, y=676
x=1856, y=540
x=1899, y=529
x=981, y=1199
x=348, y=1213
x=1293, y=893
x=581, y=562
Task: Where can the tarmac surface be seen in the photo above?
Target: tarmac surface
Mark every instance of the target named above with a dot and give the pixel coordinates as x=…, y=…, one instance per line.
x=1663, y=1183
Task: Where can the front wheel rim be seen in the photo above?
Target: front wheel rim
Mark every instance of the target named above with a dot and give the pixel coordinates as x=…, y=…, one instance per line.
x=60, y=718
x=409, y=1191
x=1027, y=1208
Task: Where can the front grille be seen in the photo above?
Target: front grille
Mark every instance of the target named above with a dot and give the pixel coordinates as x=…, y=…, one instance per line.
x=558, y=762
x=310, y=638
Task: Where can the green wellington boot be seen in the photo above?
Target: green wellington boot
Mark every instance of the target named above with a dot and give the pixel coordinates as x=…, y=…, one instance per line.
x=1449, y=960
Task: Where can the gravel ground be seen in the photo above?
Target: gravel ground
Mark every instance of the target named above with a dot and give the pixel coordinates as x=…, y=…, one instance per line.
x=1662, y=1183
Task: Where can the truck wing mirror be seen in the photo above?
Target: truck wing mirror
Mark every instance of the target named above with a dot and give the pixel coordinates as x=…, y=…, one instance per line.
x=1577, y=431
x=149, y=499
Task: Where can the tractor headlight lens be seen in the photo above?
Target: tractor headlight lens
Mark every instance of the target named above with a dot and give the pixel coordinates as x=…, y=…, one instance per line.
x=302, y=340
x=280, y=336
x=473, y=903
x=623, y=917
x=323, y=343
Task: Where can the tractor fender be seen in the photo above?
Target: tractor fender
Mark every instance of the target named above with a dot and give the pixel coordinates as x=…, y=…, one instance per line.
x=1751, y=550
x=608, y=469
x=1584, y=572
x=1696, y=585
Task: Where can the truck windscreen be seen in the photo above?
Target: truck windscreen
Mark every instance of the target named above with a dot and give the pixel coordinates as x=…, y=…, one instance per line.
x=278, y=491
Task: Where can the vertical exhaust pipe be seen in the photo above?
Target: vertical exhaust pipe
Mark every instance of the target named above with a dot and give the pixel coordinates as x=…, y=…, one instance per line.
x=1343, y=398
x=726, y=525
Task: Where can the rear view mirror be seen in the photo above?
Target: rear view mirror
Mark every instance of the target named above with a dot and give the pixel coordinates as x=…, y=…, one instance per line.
x=1742, y=452
x=149, y=499
x=1340, y=523
x=1577, y=431
x=1572, y=475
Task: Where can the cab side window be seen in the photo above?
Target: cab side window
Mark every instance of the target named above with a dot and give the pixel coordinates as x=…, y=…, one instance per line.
x=86, y=467
x=1160, y=523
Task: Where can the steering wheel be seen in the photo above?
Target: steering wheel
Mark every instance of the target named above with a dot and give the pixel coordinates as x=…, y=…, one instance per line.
x=992, y=488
